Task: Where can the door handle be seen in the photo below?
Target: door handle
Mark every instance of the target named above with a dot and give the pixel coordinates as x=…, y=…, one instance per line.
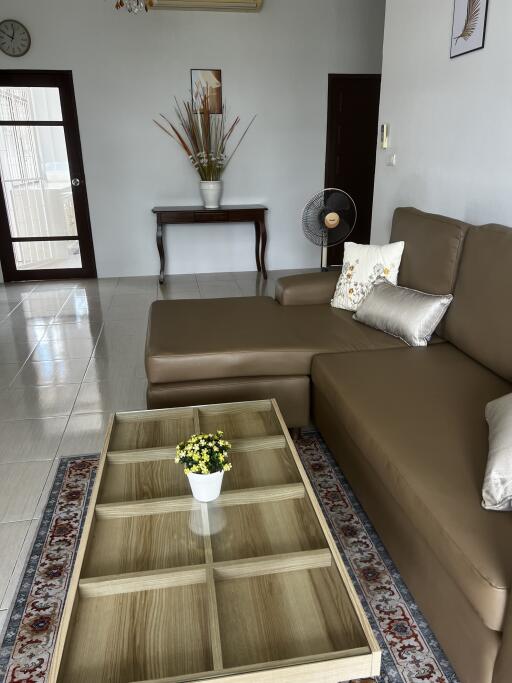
x=75, y=182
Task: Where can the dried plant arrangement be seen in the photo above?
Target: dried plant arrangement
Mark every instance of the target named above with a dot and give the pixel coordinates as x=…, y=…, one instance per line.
x=204, y=136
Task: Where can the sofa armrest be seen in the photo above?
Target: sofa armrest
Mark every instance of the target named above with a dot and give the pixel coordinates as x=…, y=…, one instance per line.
x=310, y=288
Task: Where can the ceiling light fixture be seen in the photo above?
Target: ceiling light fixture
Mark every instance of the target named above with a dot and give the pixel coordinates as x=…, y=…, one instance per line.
x=134, y=6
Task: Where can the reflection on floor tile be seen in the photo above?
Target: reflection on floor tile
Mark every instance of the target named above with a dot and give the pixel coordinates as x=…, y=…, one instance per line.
x=179, y=293
x=115, y=365
x=221, y=290
x=62, y=349
x=15, y=353
x=13, y=334
x=8, y=372
x=81, y=330
x=51, y=372
x=47, y=401
x=123, y=393
x=111, y=345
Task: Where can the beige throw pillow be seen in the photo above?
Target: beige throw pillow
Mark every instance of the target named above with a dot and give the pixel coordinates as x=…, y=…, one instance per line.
x=363, y=265
x=497, y=489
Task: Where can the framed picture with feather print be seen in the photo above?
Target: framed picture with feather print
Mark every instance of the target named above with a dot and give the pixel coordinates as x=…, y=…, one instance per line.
x=469, y=25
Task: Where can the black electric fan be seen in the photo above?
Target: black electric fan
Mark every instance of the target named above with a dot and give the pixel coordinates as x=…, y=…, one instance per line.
x=328, y=219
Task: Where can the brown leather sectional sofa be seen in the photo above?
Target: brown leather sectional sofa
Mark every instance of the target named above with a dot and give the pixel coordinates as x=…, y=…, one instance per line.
x=406, y=425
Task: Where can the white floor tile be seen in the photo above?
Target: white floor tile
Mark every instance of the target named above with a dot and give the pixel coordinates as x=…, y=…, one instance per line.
x=22, y=440
x=19, y=567
x=21, y=334
x=63, y=349
x=51, y=372
x=8, y=372
x=123, y=393
x=82, y=330
x=84, y=434
x=21, y=485
x=114, y=365
x=28, y=402
x=15, y=352
x=12, y=537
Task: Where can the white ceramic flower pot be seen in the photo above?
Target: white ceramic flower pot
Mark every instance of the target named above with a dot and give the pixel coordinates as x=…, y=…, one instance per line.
x=206, y=487
x=211, y=192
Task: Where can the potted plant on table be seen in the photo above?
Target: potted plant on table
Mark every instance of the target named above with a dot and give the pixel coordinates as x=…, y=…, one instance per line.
x=204, y=137
x=205, y=458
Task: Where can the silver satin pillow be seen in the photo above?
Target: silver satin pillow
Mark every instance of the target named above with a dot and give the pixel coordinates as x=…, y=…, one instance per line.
x=497, y=489
x=404, y=313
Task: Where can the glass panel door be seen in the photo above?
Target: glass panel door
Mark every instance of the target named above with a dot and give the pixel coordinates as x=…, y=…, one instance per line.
x=46, y=231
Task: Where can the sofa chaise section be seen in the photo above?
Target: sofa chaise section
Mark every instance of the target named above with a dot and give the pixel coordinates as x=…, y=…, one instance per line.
x=221, y=350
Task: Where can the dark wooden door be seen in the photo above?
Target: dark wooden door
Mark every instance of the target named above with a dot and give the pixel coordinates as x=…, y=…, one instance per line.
x=352, y=131
x=45, y=229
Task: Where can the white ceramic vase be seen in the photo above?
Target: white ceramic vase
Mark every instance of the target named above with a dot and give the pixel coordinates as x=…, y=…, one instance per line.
x=206, y=487
x=211, y=192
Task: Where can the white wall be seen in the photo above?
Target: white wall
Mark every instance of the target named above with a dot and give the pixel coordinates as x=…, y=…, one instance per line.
x=450, y=119
x=127, y=69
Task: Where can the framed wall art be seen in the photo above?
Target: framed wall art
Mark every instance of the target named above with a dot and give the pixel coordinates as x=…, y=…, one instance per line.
x=469, y=25
x=211, y=79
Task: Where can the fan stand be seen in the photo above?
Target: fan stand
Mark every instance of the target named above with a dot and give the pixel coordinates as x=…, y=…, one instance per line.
x=323, y=260
x=331, y=221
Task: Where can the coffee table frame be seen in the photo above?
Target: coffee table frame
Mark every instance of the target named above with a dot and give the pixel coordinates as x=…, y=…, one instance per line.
x=217, y=590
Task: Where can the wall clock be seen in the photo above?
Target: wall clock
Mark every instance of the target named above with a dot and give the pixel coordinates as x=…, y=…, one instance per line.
x=14, y=38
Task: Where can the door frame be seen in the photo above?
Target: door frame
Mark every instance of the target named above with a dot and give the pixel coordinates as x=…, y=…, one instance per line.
x=64, y=81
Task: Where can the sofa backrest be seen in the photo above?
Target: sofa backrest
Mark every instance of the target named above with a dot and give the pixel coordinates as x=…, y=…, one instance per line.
x=433, y=247
x=479, y=320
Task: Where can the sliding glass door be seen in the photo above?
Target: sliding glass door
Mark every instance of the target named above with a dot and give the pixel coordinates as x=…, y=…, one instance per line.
x=45, y=228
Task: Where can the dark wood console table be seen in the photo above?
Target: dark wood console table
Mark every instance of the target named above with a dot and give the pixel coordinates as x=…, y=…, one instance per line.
x=173, y=215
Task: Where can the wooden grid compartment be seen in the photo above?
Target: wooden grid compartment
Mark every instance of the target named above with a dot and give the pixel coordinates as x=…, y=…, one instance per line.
x=143, y=481
x=147, y=432
x=266, y=528
x=266, y=466
x=141, y=543
x=250, y=587
x=139, y=636
x=285, y=617
x=259, y=421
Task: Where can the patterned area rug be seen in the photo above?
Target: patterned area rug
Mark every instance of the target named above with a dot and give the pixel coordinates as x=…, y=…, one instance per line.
x=410, y=651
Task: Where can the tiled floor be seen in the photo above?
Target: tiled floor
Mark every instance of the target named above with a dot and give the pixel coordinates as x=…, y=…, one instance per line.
x=70, y=354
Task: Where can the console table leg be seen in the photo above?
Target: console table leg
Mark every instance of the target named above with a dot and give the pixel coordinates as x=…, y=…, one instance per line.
x=160, y=246
x=263, y=229
x=257, y=229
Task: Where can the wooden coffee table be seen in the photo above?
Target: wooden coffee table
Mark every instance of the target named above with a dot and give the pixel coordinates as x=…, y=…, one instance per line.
x=248, y=589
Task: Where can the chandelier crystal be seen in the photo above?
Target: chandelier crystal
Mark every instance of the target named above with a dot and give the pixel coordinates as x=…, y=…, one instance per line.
x=134, y=6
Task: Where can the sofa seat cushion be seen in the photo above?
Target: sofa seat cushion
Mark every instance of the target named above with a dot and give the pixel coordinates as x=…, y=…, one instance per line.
x=247, y=337
x=418, y=416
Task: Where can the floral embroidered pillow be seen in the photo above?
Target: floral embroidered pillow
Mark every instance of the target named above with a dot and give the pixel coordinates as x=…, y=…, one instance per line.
x=363, y=265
